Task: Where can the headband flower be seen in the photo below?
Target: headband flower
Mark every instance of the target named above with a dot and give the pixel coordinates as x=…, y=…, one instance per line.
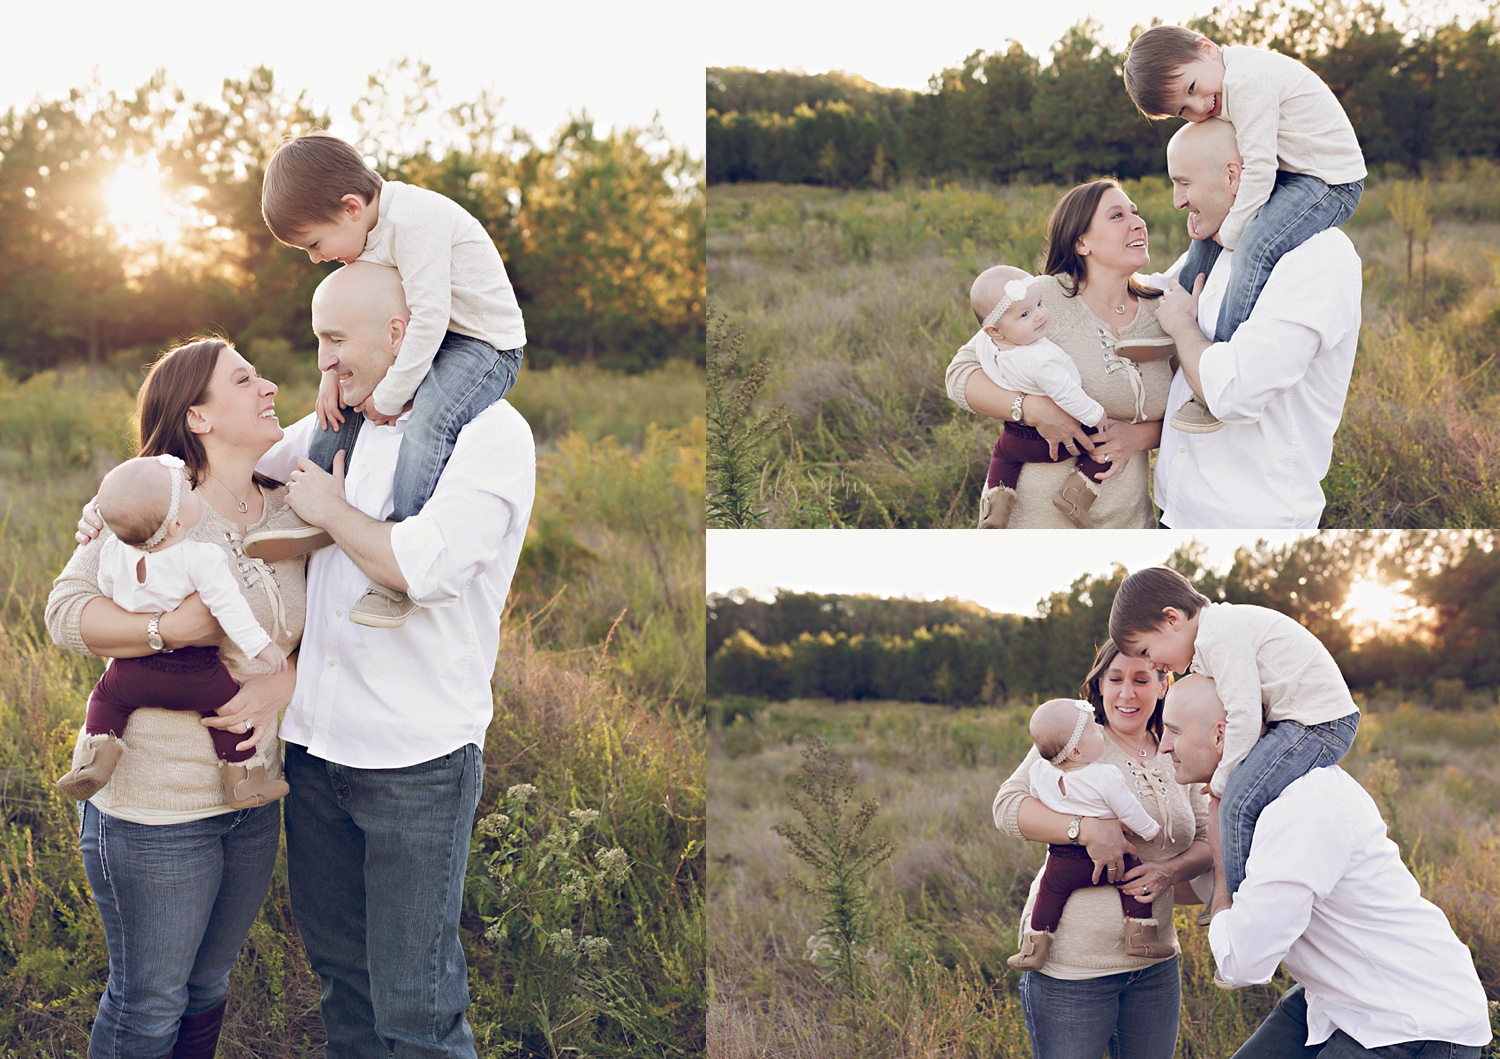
x=1015, y=290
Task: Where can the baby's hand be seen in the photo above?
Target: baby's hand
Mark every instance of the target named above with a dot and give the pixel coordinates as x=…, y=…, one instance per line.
x=1103, y=425
x=274, y=657
x=327, y=405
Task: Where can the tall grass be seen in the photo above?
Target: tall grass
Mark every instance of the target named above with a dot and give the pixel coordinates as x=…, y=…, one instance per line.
x=949, y=900
x=858, y=300
x=598, y=707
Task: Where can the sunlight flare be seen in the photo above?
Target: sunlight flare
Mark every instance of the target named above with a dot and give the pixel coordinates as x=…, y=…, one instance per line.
x=141, y=208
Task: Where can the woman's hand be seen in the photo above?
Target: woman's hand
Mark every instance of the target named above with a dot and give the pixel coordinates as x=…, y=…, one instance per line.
x=89, y=522
x=256, y=705
x=1055, y=426
x=1116, y=443
x=1147, y=881
x=1105, y=842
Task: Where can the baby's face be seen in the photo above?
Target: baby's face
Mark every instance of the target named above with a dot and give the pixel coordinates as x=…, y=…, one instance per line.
x=1091, y=742
x=1024, y=322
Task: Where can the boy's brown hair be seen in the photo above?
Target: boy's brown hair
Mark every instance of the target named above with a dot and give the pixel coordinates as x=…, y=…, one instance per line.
x=1139, y=602
x=306, y=181
x=1153, y=63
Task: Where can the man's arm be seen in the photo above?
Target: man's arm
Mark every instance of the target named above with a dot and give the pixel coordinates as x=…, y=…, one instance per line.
x=318, y=497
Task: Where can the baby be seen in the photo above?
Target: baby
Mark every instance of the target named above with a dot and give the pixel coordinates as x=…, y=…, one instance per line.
x=1068, y=778
x=1020, y=357
x=1302, y=167
x=462, y=347
x=149, y=565
x=1272, y=675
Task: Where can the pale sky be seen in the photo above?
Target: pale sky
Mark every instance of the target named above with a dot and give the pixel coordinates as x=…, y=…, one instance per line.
x=1005, y=572
x=622, y=63
x=901, y=47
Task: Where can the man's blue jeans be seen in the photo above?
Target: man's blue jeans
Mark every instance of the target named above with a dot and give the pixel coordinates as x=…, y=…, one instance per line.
x=376, y=858
x=1286, y=752
x=466, y=377
x=1299, y=208
x=1284, y=1036
x=1133, y=1014
x=176, y=902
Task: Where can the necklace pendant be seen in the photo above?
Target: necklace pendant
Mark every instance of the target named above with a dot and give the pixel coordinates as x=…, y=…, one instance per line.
x=1120, y=309
x=244, y=506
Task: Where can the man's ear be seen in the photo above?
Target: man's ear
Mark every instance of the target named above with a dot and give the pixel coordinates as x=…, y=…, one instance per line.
x=395, y=331
x=1232, y=172
x=1219, y=736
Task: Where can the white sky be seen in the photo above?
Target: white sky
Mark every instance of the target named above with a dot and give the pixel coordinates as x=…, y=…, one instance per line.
x=621, y=62
x=901, y=47
x=1005, y=572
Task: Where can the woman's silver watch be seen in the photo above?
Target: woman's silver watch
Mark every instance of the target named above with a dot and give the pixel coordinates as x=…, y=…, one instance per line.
x=1015, y=407
x=1073, y=827
x=153, y=633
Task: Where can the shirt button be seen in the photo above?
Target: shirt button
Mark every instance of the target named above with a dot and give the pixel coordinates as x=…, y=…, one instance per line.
x=331, y=663
x=1181, y=448
x=338, y=614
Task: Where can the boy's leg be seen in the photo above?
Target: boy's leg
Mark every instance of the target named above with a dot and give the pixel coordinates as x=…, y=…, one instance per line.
x=466, y=377
x=1286, y=752
x=1201, y=255
x=1300, y=207
x=326, y=442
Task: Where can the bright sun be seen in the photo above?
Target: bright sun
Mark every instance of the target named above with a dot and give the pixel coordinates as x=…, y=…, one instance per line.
x=1374, y=606
x=140, y=208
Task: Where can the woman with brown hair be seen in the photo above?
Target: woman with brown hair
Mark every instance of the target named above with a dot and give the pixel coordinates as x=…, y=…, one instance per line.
x=177, y=874
x=1092, y=997
x=1104, y=318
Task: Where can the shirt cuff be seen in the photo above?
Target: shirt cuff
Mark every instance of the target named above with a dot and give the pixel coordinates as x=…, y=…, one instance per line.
x=418, y=546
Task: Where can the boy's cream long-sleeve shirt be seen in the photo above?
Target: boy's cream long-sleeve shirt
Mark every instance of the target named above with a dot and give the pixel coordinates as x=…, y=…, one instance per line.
x=453, y=278
x=1265, y=667
x=1284, y=117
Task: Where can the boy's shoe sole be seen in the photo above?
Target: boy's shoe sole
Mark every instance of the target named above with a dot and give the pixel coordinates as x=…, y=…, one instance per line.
x=275, y=545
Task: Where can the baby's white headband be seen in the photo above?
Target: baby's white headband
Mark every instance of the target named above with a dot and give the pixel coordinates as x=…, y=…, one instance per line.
x=1085, y=715
x=174, y=467
x=1015, y=290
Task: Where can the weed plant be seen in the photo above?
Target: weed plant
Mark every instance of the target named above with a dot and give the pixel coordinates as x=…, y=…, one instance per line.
x=598, y=692
x=945, y=907
x=857, y=301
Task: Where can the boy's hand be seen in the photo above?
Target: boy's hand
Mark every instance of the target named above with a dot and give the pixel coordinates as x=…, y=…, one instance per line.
x=327, y=406
x=274, y=657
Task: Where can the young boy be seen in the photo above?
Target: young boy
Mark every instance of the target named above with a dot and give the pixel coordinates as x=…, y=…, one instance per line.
x=1269, y=671
x=1067, y=777
x=1303, y=170
x=1020, y=357
x=463, y=344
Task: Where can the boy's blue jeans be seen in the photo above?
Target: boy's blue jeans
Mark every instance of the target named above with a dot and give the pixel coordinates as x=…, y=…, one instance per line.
x=1132, y=1015
x=176, y=902
x=1286, y=752
x=466, y=377
x=1299, y=208
x=1283, y=1035
x=376, y=859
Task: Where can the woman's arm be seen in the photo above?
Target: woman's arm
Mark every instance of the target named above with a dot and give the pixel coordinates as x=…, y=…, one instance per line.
x=1121, y=440
x=988, y=398
x=110, y=631
x=257, y=704
x=1104, y=839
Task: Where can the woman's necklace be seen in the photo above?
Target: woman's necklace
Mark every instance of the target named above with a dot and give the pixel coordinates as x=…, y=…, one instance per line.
x=1119, y=741
x=1119, y=309
x=242, y=504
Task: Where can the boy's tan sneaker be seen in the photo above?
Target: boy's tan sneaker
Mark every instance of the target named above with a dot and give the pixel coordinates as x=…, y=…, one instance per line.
x=1142, y=350
x=101, y=753
x=1075, y=498
x=274, y=544
x=1033, y=954
x=250, y=788
x=382, y=608
x=1195, y=418
x=994, y=507
x=1141, y=939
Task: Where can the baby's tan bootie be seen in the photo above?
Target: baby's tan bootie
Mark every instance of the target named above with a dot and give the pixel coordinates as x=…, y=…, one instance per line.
x=994, y=506
x=250, y=788
x=1033, y=954
x=1141, y=939
x=1075, y=498
x=101, y=753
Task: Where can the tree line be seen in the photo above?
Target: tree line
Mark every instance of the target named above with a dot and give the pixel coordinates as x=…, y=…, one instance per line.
x=954, y=652
x=601, y=231
x=1415, y=95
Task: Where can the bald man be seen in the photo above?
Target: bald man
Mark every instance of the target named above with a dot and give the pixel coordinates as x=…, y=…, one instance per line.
x=1278, y=383
x=1378, y=969
x=385, y=729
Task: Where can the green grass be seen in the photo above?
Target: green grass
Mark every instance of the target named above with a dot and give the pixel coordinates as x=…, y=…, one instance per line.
x=857, y=301
x=949, y=900
x=599, y=705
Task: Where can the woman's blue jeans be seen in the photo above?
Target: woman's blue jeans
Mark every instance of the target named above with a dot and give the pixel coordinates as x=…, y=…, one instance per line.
x=376, y=861
x=176, y=902
x=1284, y=1036
x=1288, y=751
x=466, y=377
x=1132, y=1015
x=1299, y=208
